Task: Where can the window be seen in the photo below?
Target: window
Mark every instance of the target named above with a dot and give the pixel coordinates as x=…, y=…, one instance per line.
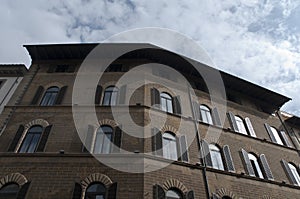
x=95, y=191
x=216, y=157
x=173, y=194
x=169, y=146
x=31, y=139
x=103, y=140
x=205, y=114
x=50, y=96
x=110, y=96
x=115, y=68
x=295, y=173
x=255, y=165
x=61, y=68
x=276, y=135
x=9, y=191
x=166, y=102
x=226, y=197
x=240, y=125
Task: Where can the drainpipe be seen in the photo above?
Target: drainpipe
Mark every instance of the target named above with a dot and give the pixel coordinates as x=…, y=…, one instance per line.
x=199, y=142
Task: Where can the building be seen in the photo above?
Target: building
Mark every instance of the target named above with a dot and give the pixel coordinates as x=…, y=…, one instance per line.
x=254, y=154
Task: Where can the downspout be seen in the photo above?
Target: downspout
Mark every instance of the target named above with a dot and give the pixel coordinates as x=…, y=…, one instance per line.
x=199, y=142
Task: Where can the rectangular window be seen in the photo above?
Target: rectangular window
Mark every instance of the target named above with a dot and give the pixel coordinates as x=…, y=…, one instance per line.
x=61, y=68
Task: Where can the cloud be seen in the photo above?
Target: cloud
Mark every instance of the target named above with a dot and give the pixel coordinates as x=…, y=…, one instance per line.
x=255, y=40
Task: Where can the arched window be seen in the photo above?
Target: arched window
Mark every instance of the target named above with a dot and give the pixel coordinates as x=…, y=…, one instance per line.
x=95, y=191
x=295, y=173
x=255, y=165
x=110, y=96
x=206, y=114
x=276, y=135
x=169, y=146
x=103, y=140
x=240, y=125
x=166, y=102
x=50, y=96
x=31, y=139
x=9, y=191
x=216, y=157
x=173, y=194
x=226, y=197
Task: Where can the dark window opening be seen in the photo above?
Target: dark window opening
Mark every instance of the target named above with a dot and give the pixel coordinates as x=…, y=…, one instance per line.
x=31, y=139
x=61, y=68
x=9, y=191
x=95, y=191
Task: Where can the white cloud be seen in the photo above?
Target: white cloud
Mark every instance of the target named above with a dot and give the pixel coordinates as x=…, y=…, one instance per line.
x=256, y=40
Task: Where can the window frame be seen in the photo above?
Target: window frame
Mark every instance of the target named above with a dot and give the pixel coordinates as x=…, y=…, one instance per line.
x=175, y=191
x=206, y=111
x=276, y=135
x=294, y=172
x=49, y=97
x=240, y=124
x=166, y=102
x=9, y=194
x=96, y=193
x=169, y=151
x=29, y=146
x=103, y=140
x=216, y=157
x=110, y=91
x=258, y=172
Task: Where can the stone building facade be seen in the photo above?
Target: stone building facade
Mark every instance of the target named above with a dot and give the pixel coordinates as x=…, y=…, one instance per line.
x=248, y=149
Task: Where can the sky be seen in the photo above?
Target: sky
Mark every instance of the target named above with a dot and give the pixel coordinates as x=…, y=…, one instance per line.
x=257, y=40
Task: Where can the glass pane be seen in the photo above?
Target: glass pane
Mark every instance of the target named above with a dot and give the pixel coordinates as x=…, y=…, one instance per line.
x=33, y=144
x=216, y=160
x=106, y=98
x=169, y=106
x=114, y=96
x=163, y=104
x=172, y=195
x=26, y=143
x=295, y=173
x=169, y=146
x=276, y=135
x=98, y=142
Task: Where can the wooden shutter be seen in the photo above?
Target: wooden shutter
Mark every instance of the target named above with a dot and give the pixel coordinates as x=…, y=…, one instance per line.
x=289, y=172
x=206, y=153
x=247, y=163
x=250, y=127
x=158, y=192
x=157, y=142
x=16, y=139
x=268, y=128
x=98, y=94
x=23, y=191
x=37, y=95
x=232, y=121
x=176, y=105
x=183, y=148
x=155, y=97
x=122, y=94
x=285, y=138
x=89, y=139
x=228, y=158
x=44, y=138
x=112, y=191
x=190, y=195
x=117, y=139
x=77, y=191
x=214, y=196
x=196, y=110
x=216, y=117
x=61, y=95
x=266, y=168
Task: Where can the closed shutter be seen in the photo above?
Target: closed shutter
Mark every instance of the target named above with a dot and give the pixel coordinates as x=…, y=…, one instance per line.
x=117, y=139
x=190, y=195
x=176, y=105
x=88, y=139
x=266, y=168
x=247, y=163
x=158, y=192
x=23, y=191
x=206, y=153
x=122, y=94
x=228, y=158
x=98, y=94
x=250, y=127
x=77, y=191
x=289, y=172
x=214, y=196
x=37, y=95
x=285, y=138
x=61, y=95
x=155, y=97
x=157, y=142
x=196, y=110
x=16, y=139
x=216, y=117
x=112, y=191
x=183, y=148
x=232, y=121
x=44, y=138
x=268, y=128
x=178, y=148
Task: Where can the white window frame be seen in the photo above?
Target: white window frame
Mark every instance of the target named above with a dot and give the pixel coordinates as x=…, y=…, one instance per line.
x=169, y=146
x=240, y=124
x=206, y=114
x=256, y=165
x=295, y=173
x=166, y=102
x=216, y=157
x=276, y=135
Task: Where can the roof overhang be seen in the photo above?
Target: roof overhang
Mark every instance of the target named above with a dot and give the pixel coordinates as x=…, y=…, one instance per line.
x=12, y=70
